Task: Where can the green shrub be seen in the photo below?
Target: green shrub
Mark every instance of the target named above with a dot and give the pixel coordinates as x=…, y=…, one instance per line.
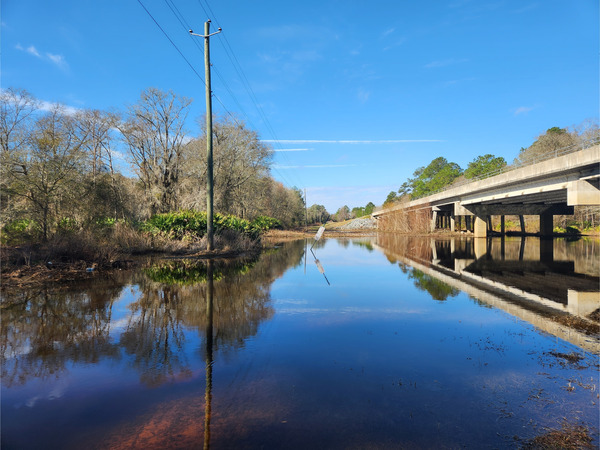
x=67, y=225
x=571, y=229
x=192, y=224
x=20, y=231
x=105, y=223
x=177, y=225
x=264, y=223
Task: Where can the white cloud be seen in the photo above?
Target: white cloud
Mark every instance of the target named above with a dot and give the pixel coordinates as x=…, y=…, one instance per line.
x=459, y=81
x=388, y=32
x=333, y=141
x=294, y=149
x=32, y=50
x=526, y=8
x=58, y=60
x=523, y=110
x=49, y=106
x=316, y=166
x=363, y=95
x=444, y=63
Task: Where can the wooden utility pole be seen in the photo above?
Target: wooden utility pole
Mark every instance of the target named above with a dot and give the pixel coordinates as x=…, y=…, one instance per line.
x=209, y=149
x=305, y=210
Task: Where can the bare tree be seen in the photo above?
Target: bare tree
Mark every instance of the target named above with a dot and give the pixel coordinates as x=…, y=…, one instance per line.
x=241, y=161
x=155, y=136
x=46, y=171
x=16, y=108
x=98, y=126
x=16, y=111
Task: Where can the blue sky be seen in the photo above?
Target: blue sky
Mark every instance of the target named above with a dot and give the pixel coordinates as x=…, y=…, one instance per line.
x=353, y=95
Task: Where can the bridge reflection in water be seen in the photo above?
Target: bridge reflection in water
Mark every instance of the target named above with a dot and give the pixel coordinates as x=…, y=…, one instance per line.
x=552, y=284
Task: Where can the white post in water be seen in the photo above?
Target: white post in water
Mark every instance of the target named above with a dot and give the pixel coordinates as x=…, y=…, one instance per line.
x=318, y=235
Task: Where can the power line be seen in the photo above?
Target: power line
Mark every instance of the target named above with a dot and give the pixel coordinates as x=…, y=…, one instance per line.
x=244, y=79
x=179, y=16
x=186, y=27
x=171, y=41
x=183, y=23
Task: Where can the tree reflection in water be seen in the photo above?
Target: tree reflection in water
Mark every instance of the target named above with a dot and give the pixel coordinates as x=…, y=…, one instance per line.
x=44, y=330
x=436, y=288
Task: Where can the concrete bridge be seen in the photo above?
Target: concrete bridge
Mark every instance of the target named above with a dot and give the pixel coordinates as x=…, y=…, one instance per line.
x=546, y=189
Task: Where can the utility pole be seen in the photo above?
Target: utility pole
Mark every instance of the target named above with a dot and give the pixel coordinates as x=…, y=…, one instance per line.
x=209, y=150
x=305, y=211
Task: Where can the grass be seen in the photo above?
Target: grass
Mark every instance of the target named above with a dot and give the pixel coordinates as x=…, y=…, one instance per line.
x=69, y=254
x=569, y=436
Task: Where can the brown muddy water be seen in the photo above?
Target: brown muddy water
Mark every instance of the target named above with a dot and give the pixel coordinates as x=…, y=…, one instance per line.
x=383, y=342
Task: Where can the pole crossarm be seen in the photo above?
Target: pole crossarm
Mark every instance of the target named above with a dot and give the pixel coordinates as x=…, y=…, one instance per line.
x=205, y=35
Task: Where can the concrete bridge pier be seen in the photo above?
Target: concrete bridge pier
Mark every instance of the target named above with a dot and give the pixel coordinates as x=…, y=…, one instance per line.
x=546, y=224
x=547, y=250
x=433, y=220
x=522, y=223
x=480, y=227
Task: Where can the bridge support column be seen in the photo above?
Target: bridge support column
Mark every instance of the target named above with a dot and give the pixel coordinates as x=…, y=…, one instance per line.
x=547, y=250
x=480, y=248
x=546, y=224
x=480, y=227
x=502, y=225
x=434, y=221
x=452, y=223
x=522, y=222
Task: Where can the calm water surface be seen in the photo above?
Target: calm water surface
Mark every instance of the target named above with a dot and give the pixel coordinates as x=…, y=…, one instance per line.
x=382, y=342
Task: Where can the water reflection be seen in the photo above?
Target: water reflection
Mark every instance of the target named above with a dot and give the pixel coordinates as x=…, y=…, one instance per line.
x=190, y=354
x=553, y=284
x=320, y=266
x=45, y=330
x=209, y=351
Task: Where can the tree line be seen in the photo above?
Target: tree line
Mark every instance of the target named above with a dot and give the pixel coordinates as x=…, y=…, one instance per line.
x=441, y=173
x=60, y=168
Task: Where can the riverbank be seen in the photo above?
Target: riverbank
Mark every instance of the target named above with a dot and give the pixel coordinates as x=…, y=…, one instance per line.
x=75, y=258
x=83, y=256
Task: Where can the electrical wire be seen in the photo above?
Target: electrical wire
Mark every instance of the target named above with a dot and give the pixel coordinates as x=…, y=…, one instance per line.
x=172, y=43
x=244, y=79
x=186, y=27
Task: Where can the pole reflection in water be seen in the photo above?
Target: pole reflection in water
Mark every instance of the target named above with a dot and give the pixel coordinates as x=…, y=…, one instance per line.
x=319, y=266
x=209, y=350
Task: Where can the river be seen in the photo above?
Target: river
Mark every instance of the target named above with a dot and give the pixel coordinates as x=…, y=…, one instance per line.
x=374, y=342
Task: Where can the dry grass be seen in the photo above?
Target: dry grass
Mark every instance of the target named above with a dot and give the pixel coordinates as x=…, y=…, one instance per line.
x=570, y=436
x=403, y=221
x=70, y=256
